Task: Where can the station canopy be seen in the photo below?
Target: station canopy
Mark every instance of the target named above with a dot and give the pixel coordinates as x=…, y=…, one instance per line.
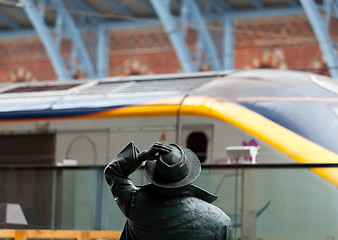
x=55, y=20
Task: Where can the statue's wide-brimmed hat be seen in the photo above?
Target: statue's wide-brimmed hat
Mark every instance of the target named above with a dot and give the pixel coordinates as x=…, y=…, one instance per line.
x=177, y=168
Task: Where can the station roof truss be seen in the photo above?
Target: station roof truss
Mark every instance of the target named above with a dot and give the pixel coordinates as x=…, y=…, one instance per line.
x=55, y=21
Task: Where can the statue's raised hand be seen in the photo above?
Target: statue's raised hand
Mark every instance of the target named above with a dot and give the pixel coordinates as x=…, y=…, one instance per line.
x=154, y=151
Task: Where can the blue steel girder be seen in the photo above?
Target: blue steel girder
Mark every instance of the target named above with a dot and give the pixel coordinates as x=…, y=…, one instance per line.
x=184, y=19
x=247, y=14
x=102, y=48
x=191, y=17
x=162, y=9
x=42, y=30
x=330, y=9
x=92, y=14
x=204, y=37
x=323, y=36
x=74, y=36
x=117, y=7
x=228, y=42
x=65, y=27
x=335, y=8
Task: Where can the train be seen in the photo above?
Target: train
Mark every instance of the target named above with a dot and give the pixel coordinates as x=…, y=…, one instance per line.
x=290, y=116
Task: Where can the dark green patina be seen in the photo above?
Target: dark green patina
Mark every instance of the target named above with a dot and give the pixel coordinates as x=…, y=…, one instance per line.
x=170, y=207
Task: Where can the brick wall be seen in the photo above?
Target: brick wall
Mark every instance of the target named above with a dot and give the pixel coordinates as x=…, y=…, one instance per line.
x=280, y=42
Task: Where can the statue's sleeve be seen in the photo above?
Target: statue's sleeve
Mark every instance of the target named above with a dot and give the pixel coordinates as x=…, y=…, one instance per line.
x=117, y=176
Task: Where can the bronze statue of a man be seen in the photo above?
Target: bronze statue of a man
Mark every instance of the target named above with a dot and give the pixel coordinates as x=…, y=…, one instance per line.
x=170, y=207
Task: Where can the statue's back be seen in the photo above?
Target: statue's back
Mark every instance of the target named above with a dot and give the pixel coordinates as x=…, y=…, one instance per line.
x=183, y=218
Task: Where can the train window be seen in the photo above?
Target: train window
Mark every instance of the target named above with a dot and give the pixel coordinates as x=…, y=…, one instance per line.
x=198, y=143
x=198, y=138
x=27, y=149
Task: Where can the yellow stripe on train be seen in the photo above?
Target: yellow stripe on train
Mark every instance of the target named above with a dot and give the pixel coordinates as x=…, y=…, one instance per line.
x=291, y=144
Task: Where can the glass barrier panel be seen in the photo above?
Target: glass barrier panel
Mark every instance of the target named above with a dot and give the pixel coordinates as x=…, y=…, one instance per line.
x=33, y=190
x=263, y=203
x=281, y=203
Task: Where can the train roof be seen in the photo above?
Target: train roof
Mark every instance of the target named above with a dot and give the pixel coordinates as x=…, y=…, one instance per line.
x=98, y=93
x=20, y=100
x=133, y=90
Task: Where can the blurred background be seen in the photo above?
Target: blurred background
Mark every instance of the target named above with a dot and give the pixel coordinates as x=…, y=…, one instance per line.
x=62, y=69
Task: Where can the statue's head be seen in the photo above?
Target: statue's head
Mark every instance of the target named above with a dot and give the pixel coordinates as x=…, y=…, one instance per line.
x=177, y=168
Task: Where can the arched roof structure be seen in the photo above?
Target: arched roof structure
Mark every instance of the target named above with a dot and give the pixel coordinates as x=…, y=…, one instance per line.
x=55, y=21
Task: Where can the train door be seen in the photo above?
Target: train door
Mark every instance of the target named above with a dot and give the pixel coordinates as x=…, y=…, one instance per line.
x=198, y=138
x=77, y=186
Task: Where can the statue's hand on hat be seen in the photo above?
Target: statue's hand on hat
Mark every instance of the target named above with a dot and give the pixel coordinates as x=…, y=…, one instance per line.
x=154, y=151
